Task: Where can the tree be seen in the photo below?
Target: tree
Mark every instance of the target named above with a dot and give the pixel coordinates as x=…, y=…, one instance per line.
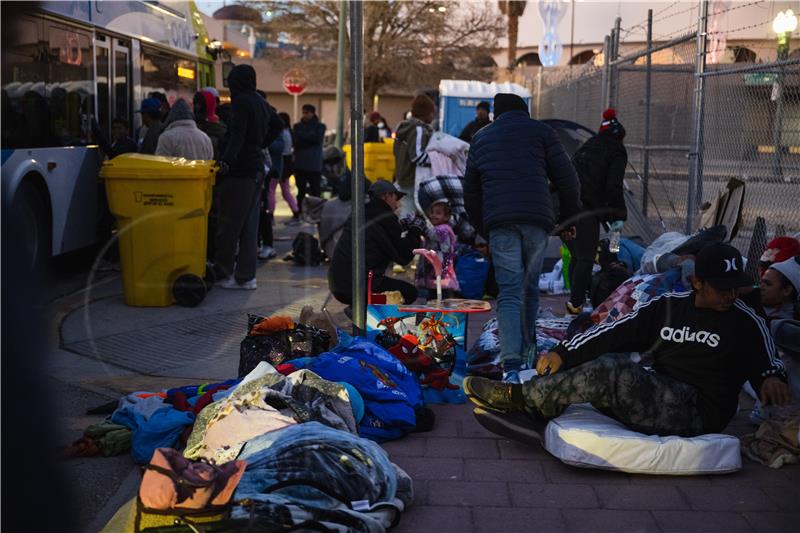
x=407, y=45
x=513, y=10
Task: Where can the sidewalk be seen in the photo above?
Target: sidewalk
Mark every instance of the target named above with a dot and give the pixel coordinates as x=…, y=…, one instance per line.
x=465, y=478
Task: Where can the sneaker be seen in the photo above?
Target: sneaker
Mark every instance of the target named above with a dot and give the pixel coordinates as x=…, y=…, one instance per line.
x=512, y=377
x=517, y=426
x=231, y=283
x=267, y=252
x=294, y=221
x=572, y=310
x=490, y=394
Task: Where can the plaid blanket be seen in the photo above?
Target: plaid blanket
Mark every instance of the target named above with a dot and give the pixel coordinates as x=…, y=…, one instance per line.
x=451, y=190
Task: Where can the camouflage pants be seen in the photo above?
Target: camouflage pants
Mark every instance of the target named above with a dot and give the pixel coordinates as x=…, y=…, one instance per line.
x=626, y=391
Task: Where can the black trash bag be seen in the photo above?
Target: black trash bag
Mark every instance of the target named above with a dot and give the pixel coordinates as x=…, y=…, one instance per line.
x=280, y=347
x=306, y=250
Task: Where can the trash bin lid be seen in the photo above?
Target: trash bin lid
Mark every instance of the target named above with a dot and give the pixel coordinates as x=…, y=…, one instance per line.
x=146, y=167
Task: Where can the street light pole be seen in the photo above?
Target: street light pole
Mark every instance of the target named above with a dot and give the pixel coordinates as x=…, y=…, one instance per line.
x=356, y=182
x=340, y=66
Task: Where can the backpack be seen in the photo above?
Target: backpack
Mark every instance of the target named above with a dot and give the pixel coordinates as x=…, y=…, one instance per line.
x=305, y=250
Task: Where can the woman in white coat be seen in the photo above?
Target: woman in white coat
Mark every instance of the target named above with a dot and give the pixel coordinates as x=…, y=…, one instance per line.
x=182, y=137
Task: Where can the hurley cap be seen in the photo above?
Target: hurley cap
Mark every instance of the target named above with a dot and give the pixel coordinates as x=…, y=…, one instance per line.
x=150, y=105
x=722, y=266
x=381, y=187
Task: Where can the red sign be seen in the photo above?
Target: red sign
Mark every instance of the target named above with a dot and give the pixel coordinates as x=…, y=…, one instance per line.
x=294, y=81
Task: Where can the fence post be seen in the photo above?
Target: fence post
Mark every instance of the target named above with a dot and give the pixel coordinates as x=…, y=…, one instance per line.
x=613, y=86
x=777, y=128
x=695, y=184
x=606, y=72
x=356, y=183
x=647, y=102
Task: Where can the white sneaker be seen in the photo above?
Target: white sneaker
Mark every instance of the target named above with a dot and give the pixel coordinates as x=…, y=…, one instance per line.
x=231, y=283
x=267, y=252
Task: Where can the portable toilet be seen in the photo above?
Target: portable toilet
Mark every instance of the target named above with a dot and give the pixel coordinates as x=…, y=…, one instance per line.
x=458, y=98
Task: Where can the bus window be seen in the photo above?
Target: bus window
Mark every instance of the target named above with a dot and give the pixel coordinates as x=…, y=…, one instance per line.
x=172, y=75
x=25, y=114
x=71, y=89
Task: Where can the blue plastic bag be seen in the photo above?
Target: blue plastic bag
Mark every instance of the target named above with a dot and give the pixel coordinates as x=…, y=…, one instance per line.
x=471, y=271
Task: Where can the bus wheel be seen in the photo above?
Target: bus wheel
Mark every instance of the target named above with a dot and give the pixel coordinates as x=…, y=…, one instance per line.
x=33, y=225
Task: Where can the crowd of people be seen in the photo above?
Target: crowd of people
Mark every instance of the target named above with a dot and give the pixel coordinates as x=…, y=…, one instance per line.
x=257, y=149
x=518, y=187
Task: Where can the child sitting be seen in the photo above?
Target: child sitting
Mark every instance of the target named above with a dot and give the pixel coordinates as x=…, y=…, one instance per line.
x=440, y=238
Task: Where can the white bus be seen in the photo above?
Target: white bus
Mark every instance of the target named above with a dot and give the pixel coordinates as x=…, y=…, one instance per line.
x=65, y=64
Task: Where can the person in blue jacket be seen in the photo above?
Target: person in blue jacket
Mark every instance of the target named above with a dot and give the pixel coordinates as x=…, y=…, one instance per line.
x=510, y=167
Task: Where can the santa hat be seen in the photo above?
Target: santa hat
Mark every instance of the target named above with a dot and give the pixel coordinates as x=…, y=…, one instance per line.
x=780, y=249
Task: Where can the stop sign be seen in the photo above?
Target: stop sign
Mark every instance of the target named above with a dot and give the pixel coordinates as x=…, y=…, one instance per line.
x=294, y=81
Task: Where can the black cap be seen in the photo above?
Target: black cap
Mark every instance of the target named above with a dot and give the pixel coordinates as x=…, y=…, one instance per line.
x=722, y=266
x=381, y=187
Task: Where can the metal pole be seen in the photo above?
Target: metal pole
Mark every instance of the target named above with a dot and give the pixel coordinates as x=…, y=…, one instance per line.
x=539, y=94
x=695, y=192
x=612, y=74
x=357, y=144
x=606, y=70
x=340, y=66
x=295, y=118
x=647, y=102
x=777, y=131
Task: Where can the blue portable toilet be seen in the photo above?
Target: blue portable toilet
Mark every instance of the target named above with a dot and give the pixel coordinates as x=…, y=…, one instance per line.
x=458, y=98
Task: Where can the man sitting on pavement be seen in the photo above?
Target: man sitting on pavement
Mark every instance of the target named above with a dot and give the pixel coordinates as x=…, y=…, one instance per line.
x=384, y=244
x=705, y=343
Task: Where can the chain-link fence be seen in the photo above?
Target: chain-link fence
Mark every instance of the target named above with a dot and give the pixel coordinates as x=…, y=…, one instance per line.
x=744, y=124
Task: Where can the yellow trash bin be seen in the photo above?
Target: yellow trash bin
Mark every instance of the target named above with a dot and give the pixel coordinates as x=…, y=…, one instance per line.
x=378, y=160
x=161, y=205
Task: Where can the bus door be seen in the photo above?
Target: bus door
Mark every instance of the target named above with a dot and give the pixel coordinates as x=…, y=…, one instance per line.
x=112, y=61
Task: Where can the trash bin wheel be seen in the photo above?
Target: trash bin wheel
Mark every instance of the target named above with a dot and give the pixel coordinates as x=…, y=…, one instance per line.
x=189, y=290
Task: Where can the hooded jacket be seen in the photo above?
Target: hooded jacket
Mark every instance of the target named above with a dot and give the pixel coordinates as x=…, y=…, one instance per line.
x=308, y=138
x=510, y=167
x=208, y=121
x=383, y=245
x=600, y=163
x=409, y=149
x=249, y=125
x=182, y=138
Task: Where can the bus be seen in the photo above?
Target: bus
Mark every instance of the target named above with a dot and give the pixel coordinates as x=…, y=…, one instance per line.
x=64, y=66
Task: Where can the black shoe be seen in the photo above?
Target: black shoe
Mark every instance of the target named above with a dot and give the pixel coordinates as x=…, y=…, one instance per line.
x=490, y=394
x=516, y=426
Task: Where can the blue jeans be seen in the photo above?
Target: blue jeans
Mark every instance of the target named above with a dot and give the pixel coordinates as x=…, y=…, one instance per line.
x=517, y=255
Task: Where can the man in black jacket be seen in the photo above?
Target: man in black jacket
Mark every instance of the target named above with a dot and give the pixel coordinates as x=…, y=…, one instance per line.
x=308, y=136
x=705, y=343
x=384, y=244
x=510, y=167
x=600, y=163
x=239, y=181
x=481, y=120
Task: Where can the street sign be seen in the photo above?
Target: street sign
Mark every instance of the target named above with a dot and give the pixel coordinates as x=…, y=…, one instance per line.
x=294, y=82
x=760, y=78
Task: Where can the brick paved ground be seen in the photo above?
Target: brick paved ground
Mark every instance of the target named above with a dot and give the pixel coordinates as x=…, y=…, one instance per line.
x=468, y=479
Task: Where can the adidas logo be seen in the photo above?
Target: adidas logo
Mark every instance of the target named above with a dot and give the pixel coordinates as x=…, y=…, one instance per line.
x=684, y=334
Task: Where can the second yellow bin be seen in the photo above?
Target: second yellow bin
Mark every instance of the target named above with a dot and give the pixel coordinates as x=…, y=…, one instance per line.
x=161, y=205
x=378, y=160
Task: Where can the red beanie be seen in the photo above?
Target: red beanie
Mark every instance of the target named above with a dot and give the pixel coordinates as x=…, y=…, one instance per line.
x=780, y=249
x=609, y=115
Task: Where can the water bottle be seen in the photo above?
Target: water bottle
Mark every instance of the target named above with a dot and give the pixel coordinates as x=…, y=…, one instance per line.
x=613, y=242
x=587, y=304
